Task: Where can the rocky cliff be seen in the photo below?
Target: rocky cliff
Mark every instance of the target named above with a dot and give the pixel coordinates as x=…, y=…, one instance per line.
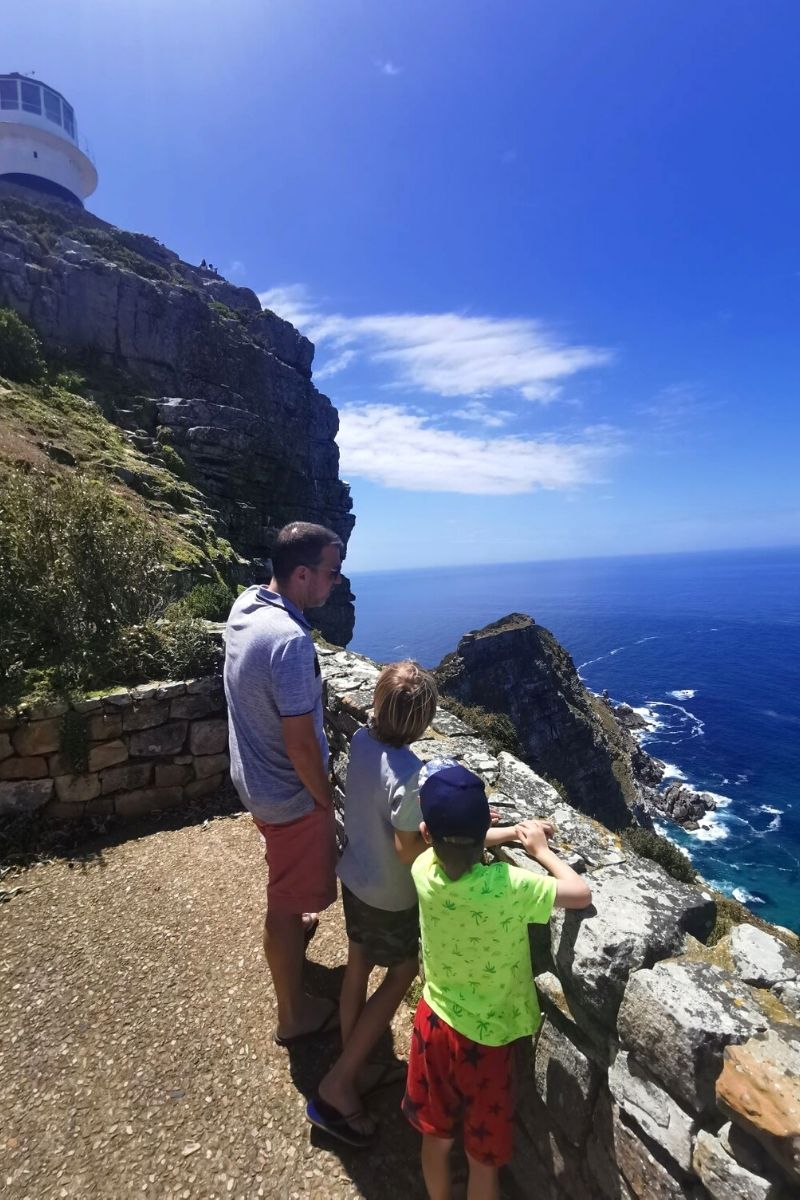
x=517, y=667
x=224, y=385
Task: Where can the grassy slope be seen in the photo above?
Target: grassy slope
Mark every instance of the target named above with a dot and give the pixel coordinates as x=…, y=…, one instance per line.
x=65, y=425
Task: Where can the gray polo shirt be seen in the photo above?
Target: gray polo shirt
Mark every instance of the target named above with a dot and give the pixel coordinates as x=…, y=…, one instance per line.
x=271, y=672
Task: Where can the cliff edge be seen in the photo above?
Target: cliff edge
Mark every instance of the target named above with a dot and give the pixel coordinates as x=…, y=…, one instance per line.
x=206, y=385
x=516, y=667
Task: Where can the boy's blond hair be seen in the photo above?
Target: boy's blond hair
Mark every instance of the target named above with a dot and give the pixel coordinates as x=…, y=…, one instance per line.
x=404, y=703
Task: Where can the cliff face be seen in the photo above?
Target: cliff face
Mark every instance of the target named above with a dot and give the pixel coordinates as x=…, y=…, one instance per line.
x=517, y=667
x=225, y=384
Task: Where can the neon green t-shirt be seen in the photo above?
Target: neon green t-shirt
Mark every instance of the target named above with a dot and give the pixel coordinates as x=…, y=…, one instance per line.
x=475, y=947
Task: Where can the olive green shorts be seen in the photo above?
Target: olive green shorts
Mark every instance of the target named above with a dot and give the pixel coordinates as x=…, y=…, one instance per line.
x=386, y=938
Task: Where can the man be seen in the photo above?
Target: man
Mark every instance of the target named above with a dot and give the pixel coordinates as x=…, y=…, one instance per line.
x=279, y=758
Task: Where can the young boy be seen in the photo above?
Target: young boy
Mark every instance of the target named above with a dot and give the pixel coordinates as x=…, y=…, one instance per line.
x=479, y=996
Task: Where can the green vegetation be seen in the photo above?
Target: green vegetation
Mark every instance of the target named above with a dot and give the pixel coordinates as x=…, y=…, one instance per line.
x=117, y=248
x=75, y=740
x=223, y=310
x=207, y=601
x=496, y=729
x=21, y=356
x=82, y=582
x=650, y=844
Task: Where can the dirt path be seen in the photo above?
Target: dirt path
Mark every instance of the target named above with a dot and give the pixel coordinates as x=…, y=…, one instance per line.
x=136, y=1053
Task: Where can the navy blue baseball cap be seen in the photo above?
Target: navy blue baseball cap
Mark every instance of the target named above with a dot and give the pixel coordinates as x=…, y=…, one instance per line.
x=453, y=802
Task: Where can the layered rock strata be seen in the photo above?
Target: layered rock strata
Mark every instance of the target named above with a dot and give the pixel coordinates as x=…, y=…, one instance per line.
x=227, y=384
x=517, y=667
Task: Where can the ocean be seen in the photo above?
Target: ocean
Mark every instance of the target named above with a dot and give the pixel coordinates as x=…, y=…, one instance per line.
x=707, y=645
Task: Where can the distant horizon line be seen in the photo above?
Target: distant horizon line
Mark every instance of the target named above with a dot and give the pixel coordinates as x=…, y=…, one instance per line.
x=521, y=562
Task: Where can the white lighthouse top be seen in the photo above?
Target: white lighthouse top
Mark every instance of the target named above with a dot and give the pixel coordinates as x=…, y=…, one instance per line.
x=39, y=139
x=29, y=102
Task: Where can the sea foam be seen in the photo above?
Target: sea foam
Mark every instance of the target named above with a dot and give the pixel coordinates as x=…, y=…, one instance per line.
x=683, y=694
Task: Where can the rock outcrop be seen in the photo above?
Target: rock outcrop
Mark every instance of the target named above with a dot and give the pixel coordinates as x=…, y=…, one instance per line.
x=517, y=667
x=224, y=383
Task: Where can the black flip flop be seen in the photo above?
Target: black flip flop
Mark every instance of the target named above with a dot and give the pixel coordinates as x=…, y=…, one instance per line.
x=324, y=1116
x=389, y=1074
x=326, y=1027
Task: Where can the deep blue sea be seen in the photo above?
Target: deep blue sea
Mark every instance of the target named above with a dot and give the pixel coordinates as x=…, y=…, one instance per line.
x=708, y=644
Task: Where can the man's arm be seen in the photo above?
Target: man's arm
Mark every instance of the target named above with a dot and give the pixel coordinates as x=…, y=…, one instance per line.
x=300, y=739
x=572, y=890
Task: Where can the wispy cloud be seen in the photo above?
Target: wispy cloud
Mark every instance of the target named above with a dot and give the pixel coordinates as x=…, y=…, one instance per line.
x=481, y=413
x=447, y=354
x=401, y=448
x=678, y=408
x=387, y=67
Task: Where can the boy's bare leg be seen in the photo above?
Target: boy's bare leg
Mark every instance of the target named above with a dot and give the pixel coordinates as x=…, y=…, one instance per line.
x=484, y=1181
x=284, y=947
x=436, y=1166
x=339, y=1086
x=353, y=995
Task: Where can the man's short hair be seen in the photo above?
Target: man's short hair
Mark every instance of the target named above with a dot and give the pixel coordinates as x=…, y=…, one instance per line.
x=300, y=544
x=404, y=703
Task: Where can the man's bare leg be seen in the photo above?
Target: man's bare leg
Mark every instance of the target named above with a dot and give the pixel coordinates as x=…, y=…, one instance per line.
x=284, y=947
x=436, y=1166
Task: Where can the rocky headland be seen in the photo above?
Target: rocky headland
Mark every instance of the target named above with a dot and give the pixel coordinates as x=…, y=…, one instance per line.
x=197, y=384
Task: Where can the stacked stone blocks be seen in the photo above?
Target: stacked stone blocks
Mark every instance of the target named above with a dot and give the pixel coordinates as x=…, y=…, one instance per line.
x=139, y=750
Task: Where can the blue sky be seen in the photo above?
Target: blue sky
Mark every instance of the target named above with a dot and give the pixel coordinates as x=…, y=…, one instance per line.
x=549, y=252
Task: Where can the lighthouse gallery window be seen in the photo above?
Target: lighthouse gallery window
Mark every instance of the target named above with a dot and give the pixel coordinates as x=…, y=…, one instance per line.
x=8, y=94
x=69, y=120
x=52, y=107
x=31, y=97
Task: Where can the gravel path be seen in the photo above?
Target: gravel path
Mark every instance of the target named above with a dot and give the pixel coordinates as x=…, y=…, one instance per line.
x=136, y=1053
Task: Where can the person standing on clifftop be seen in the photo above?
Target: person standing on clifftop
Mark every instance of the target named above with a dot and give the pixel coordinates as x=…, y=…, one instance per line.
x=279, y=758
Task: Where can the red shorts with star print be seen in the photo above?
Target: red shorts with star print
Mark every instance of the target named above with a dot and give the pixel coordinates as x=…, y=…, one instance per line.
x=454, y=1083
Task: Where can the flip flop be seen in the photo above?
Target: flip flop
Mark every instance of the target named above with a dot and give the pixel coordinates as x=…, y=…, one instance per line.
x=326, y=1027
x=309, y=930
x=388, y=1073
x=324, y=1116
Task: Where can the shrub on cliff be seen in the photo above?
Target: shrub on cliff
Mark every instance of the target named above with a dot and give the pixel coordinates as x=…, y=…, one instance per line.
x=496, y=729
x=77, y=565
x=650, y=844
x=207, y=601
x=20, y=349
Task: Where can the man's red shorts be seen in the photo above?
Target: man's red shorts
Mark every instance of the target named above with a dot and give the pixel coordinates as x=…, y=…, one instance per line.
x=455, y=1083
x=301, y=862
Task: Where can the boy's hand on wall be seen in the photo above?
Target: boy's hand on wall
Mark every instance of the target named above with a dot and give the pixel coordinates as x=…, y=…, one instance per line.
x=533, y=835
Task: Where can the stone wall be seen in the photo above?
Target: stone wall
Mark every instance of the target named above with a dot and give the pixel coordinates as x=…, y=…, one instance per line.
x=664, y=1068
x=126, y=753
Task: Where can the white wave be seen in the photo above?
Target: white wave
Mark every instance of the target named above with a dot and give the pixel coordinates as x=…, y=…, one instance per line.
x=742, y=778
x=744, y=897
x=775, y=823
x=776, y=716
x=710, y=830
x=616, y=650
x=647, y=714
x=675, y=720
x=720, y=801
x=671, y=771
x=769, y=808
x=683, y=694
